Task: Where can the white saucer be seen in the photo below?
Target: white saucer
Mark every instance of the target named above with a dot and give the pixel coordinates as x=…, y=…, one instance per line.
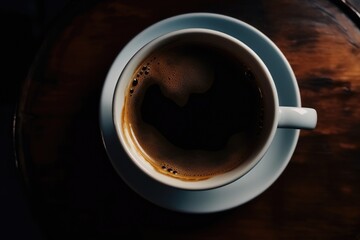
x=247, y=187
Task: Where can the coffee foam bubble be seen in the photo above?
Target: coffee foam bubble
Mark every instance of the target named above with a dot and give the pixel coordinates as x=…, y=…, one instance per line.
x=178, y=75
x=188, y=165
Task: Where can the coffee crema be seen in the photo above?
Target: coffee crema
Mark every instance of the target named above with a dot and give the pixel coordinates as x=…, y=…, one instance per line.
x=193, y=111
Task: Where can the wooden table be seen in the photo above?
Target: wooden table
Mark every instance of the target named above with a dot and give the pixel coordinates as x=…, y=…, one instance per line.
x=72, y=187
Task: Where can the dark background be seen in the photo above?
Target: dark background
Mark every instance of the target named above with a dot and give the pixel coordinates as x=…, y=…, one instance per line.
x=23, y=25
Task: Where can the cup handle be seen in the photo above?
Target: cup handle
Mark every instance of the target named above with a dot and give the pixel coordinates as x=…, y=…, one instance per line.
x=297, y=117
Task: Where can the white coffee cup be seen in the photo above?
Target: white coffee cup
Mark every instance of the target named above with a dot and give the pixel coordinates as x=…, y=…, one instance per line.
x=277, y=116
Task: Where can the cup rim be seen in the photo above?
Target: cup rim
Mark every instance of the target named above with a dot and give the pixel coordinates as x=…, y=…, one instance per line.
x=147, y=168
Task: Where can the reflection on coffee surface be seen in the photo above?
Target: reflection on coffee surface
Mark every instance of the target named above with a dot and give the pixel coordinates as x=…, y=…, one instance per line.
x=193, y=111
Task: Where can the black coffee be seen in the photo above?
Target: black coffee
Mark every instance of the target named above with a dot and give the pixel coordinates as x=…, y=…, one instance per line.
x=194, y=111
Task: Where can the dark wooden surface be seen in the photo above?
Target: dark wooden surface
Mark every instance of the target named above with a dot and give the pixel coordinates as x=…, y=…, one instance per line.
x=72, y=187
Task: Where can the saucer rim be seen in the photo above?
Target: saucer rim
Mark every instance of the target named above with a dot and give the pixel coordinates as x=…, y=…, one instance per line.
x=177, y=199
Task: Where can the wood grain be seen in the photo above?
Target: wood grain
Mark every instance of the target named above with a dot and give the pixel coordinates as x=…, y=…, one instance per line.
x=75, y=191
